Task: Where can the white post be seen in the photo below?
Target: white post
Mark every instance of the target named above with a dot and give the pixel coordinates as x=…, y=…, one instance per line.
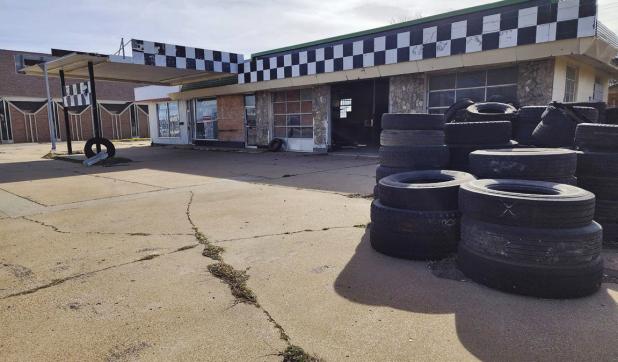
x=50, y=113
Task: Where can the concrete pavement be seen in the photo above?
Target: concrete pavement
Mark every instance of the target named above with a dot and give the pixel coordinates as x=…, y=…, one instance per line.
x=105, y=263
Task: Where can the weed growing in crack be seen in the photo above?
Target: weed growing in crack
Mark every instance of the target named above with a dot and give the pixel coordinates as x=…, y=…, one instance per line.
x=296, y=354
x=213, y=252
x=236, y=279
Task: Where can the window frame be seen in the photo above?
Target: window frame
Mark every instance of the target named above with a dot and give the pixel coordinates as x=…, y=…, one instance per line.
x=215, y=122
x=168, y=119
x=288, y=127
x=571, y=96
x=486, y=87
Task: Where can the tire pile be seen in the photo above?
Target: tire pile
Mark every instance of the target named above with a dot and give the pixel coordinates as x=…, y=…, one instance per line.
x=523, y=227
x=464, y=138
x=530, y=237
x=597, y=172
x=417, y=215
x=411, y=142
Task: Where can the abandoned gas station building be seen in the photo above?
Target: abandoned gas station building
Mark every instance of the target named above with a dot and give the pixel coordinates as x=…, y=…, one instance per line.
x=331, y=93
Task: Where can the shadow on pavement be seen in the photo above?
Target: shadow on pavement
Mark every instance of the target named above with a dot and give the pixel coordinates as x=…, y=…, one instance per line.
x=490, y=324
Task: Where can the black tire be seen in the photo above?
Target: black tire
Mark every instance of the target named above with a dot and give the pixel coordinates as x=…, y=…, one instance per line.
x=275, y=145
x=433, y=190
x=384, y=171
x=527, y=203
x=412, y=121
x=530, y=114
x=599, y=106
x=606, y=211
x=417, y=235
x=524, y=163
x=490, y=111
x=597, y=137
x=610, y=235
x=478, y=133
x=459, y=154
x=416, y=158
x=104, y=142
x=605, y=188
x=597, y=164
x=533, y=279
x=451, y=113
x=533, y=246
x=395, y=137
x=587, y=114
x=611, y=116
x=528, y=118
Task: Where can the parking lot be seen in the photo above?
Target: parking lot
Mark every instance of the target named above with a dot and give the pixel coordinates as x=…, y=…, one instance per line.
x=106, y=263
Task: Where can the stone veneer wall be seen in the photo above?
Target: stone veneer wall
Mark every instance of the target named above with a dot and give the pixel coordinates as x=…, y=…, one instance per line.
x=407, y=93
x=321, y=107
x=264, y=118
x=535, y=82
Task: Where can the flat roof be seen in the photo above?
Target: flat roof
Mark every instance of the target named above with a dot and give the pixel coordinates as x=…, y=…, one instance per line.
x=122, y=69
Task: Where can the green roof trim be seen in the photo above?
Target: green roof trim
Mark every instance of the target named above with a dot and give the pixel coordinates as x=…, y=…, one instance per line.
x=397, y=26
x=211, y=83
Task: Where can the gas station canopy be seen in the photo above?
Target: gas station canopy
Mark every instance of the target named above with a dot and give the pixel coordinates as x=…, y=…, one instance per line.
x=150, y=63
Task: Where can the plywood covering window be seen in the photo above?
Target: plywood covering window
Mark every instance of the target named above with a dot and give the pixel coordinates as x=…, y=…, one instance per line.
x=293, y=112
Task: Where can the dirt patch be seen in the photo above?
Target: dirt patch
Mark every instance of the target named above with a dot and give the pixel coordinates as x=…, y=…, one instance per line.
x=117, y=354
x=447, y=269
x=19, y=271
x=297, y=354
x=236, y=280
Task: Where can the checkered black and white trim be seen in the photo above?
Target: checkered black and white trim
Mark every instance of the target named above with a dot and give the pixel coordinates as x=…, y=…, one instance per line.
x=530, y=22
x=77, y=94
x=182, y=57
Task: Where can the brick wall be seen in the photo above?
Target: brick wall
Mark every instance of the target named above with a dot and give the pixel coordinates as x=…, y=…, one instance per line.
x=230, y=118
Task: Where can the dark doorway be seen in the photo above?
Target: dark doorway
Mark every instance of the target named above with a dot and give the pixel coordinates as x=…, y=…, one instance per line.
x=356, y=113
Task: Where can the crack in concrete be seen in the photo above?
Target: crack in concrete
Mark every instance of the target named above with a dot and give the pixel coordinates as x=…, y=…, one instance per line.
x=56, y=282
x=236, y=281
x=293, y=232
x=317, y=171
x=58, y=230
x=23, y=197
x=127, y=181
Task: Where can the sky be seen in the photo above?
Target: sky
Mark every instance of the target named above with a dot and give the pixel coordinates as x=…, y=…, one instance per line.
x=240, y=26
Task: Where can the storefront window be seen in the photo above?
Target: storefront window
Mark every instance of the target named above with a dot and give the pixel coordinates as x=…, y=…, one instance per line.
x=293, y=112
x=169, y=119
x=480, y=86
x=570, y=86
x=206, y=119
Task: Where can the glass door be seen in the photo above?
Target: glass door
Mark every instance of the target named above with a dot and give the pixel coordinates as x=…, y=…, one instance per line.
x=250, y=121
x=6, y=134
x=205, y=117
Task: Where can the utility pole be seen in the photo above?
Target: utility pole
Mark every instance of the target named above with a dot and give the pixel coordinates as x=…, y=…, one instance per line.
x=65, y=109
x=50, y=113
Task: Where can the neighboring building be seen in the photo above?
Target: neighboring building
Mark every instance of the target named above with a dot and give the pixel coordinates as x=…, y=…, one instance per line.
x=331, y=93
x=23, y=106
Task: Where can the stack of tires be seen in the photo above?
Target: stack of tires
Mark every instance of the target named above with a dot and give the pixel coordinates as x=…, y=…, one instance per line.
x=464, y=138
x=411, y=142
x=529, y=117
x=597, y=172
x=539, y=164
x=530, y=237
x=417, y=214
